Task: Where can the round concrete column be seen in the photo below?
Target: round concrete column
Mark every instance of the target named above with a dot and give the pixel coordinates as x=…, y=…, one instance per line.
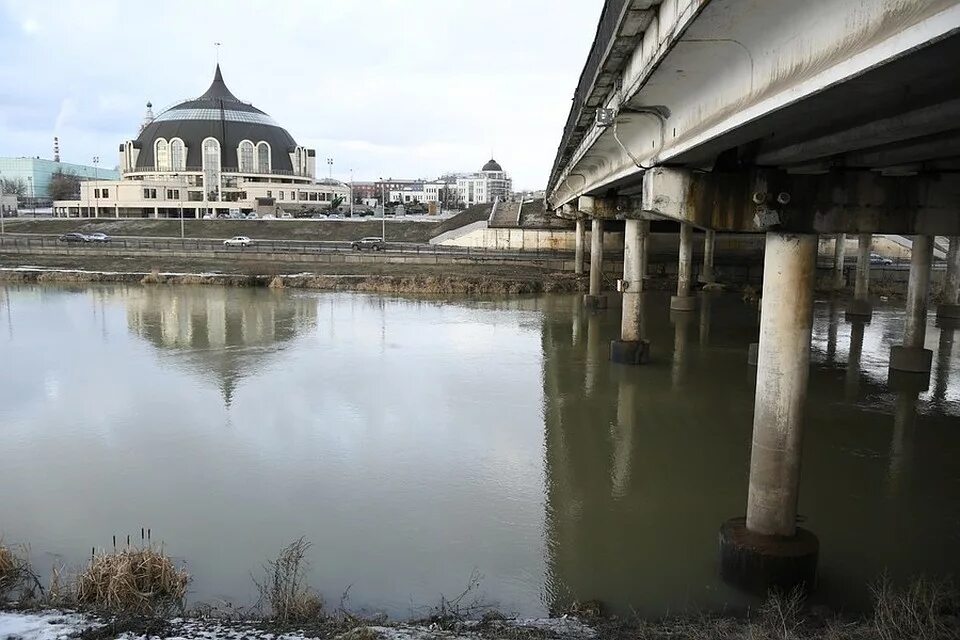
x=709, y=240
x=767, y=549
x=839, y=254
x=595, y=300
x=683, y=301
x=860, y=305
x=580, y=238
x=949, y=309
x=911, y=356
x=631, y=348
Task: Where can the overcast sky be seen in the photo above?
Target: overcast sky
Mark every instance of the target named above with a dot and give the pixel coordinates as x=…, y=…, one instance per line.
x=402, y=88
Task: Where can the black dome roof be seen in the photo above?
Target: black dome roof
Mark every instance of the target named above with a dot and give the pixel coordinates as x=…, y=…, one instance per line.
x=492, y=165
x=216, y=114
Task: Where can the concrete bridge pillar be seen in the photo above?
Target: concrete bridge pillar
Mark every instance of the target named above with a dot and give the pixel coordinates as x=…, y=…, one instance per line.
x=580, y=240
x=709, y=240
x=595, y=299
x=911, y=356
x=860, y=305
x=949, y=309
x=839, y=254
x=683, y=301
x=631, y=348
x=767, y=549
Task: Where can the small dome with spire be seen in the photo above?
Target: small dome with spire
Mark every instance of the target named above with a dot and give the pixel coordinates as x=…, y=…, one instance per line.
x=492, y=165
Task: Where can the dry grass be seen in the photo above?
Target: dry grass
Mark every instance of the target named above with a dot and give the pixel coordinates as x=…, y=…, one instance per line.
x=284, y=587
x=16, y=576
x=134, y=581
x=923, y=609
x=153, y=277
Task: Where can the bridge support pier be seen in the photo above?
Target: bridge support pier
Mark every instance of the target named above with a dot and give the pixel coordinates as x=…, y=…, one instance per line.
x=767, y=549
x=580, y=240
x=911, y=356
x=839, y=251
x=595, y=299
x=683, y=301
x=949, y=309
x=860, y=306
x=631, y=348
x=709, y=240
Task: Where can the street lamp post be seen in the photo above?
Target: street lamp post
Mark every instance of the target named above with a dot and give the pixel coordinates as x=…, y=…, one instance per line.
x=1, y=207
x=96, y=192
x=33, y=197
x=351, y=193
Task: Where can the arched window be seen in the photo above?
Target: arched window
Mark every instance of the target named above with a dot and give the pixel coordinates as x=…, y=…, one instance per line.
x=211, y=154
x=178, y=155
x=245, y=156
x=161, y=155
x=263, y=157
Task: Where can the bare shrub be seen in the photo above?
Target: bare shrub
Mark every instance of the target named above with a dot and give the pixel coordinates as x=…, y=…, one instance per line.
x=153, y=277
x=923, y=609
x=16, y=576
x=134, y=580
x=781, y=614
x=284, y=587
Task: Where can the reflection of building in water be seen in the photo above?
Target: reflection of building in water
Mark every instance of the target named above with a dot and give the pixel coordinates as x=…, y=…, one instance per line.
x=223, y=332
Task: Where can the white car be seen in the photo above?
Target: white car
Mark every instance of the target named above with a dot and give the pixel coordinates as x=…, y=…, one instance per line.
x=238, y=241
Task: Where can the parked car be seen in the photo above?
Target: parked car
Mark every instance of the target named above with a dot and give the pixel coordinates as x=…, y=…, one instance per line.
x=98, y=237
x=238, y=241
x=364, y=212
x=375, y=243
x=286, y=215
x=251, y=216
x=876, y=258
x=73, y=236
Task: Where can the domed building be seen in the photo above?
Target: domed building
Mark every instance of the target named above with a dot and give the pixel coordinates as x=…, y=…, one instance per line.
x=489, y=184
x=213, y=155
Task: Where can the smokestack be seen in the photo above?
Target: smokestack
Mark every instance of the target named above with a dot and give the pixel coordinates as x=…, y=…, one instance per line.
x=56, y=149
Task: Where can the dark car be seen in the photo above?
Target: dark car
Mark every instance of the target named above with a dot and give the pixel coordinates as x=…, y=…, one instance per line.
x=73, y=237
x=375, y=243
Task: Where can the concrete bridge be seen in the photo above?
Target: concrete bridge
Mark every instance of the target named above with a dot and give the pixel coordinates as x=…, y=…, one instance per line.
x=791, y=119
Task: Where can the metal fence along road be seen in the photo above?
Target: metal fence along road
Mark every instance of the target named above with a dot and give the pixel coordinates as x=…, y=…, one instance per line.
x=26, y=243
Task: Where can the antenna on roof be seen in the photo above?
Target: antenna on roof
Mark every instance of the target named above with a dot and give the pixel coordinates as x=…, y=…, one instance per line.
x=217, y=49
x=56, y=149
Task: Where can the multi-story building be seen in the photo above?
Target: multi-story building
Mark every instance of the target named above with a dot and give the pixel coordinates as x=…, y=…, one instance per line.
x=212, y=155
x=489, y=184
x=34, y=174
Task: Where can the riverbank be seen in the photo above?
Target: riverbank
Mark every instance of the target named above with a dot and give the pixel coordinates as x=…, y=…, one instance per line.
x=382, y=278
x=921, y=610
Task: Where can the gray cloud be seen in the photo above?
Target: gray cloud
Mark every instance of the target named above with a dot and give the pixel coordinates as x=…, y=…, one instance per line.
x=385, y=87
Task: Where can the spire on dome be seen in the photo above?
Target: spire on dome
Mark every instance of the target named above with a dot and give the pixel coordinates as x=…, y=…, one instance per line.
x=218, y=89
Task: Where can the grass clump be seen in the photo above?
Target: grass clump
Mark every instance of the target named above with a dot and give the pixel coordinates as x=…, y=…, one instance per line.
x=16, y=576
x=284, y=587
x=133, y=581
x=924, y=608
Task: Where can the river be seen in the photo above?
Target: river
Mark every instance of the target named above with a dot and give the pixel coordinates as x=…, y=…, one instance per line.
x=417, y=441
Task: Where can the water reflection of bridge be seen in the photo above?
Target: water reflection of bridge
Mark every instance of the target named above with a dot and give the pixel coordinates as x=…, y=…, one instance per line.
x=221, y=333
x=642, y=462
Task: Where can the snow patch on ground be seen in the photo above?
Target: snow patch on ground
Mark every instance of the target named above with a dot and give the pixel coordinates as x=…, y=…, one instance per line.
x=45, y=625
x=57, y=625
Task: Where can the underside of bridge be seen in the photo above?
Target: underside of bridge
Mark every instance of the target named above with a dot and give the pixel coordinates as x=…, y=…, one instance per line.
x=787, y=118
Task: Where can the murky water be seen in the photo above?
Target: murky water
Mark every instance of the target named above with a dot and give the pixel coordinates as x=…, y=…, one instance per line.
x=415, y=441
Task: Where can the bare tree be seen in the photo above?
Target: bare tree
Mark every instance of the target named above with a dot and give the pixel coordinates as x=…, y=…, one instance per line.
x=64, y=186
x=15, y=186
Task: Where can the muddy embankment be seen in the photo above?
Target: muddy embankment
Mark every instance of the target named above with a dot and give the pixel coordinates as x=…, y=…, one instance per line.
x=426, y=283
